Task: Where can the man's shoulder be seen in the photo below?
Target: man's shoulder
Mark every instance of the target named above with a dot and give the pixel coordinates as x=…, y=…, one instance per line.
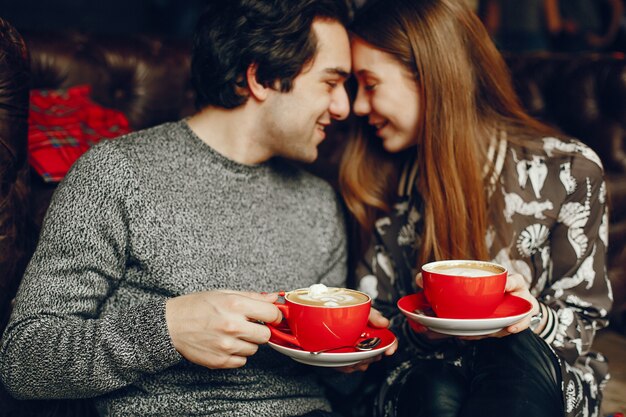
x=119, y=156
x=146, y=138
x=148, y=145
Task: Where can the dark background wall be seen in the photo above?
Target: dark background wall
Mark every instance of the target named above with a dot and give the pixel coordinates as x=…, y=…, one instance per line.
x=164, y=17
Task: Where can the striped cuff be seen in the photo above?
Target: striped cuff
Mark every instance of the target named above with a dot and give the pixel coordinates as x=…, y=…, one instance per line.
x=549, y=331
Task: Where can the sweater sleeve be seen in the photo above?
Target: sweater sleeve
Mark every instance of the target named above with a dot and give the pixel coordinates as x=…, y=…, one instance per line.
x=578, y=295
x=58, y=343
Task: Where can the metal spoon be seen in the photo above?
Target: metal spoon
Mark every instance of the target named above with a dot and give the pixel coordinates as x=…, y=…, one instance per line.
x=367, y=344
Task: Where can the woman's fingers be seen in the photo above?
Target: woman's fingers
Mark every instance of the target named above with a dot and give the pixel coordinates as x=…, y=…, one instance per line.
x=418, y=280
x=515, y=283
x=519, y=326
x=376, y=319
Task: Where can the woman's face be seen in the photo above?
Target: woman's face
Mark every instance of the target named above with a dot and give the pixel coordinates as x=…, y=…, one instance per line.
x=388, y=94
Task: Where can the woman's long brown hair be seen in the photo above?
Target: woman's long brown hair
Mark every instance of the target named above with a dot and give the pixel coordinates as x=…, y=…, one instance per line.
x=466, y=95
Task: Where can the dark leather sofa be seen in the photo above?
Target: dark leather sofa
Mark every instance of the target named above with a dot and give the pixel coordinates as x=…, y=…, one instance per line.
x=148, y=80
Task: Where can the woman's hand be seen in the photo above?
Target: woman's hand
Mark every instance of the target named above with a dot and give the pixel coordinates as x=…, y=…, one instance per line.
x=425, y=331
x=419, y=281
x=376, y=320
x=515, y=285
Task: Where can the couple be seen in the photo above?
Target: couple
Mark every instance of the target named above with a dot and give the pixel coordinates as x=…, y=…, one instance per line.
x=145, y=291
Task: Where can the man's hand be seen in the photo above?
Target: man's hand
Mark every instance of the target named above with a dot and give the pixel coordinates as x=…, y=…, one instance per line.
x=376, y=319
x=220, y=329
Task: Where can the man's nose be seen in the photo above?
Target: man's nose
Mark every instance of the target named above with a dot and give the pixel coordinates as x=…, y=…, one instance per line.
x=340, y=104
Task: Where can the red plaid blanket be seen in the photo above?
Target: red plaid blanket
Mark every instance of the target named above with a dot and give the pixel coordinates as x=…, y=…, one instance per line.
x=64, y=124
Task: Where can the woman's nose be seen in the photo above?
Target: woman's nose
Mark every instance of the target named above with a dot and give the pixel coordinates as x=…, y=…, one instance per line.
x=361, y=103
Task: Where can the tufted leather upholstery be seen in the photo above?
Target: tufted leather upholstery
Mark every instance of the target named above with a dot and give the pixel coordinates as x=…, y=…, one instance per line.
x=145, y=78
x=15, y=235
x=148, y=79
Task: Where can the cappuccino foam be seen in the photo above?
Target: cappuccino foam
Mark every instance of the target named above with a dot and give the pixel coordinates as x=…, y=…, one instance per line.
x=327, y=297
x=468, y=269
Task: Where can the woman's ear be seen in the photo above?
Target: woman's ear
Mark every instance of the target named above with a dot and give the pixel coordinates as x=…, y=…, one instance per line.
x=257, y=90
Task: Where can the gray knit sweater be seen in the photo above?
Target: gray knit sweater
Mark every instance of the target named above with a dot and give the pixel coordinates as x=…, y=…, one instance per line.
x=154, y=215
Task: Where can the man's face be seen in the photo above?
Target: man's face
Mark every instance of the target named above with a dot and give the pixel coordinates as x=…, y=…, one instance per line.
x=296, y=120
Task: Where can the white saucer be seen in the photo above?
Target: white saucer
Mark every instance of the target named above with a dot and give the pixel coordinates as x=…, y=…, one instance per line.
x=345, y=357
x=511, y=310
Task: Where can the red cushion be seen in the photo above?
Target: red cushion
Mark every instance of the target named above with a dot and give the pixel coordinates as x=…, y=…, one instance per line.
x=63, y=124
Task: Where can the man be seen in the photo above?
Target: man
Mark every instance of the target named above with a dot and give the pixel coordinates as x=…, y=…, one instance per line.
x=145, y=289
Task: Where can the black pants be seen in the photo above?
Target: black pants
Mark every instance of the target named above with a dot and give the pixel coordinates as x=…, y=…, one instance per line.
x=517, y=375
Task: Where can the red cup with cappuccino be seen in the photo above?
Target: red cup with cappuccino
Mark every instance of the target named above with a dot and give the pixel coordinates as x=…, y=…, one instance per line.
x=325, y=319
x=462, y=289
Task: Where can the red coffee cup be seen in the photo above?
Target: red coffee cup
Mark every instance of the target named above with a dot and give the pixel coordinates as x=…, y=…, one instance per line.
x=333, y=322
x=463, y=289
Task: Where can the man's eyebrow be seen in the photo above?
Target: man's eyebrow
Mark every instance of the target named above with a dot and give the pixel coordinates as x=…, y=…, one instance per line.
x=337, y=71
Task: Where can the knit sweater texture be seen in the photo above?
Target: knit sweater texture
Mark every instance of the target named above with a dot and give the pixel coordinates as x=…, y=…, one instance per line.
x=154, y=215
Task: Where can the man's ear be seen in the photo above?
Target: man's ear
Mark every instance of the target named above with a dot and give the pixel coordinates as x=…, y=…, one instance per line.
x=257, y=90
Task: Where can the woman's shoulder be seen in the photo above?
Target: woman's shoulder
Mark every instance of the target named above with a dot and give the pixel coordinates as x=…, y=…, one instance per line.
x=571, y=149
x=561, y=153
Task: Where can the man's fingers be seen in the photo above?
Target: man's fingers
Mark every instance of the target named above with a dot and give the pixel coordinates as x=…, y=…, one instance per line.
x=256, y=307
x=234, y=346
x=225, y=362
x=245, y=349
x=267, y=297
x=266, y=313
x=255, y=333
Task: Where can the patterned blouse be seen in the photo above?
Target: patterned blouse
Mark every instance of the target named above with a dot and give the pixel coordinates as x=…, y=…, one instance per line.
x=549, y=223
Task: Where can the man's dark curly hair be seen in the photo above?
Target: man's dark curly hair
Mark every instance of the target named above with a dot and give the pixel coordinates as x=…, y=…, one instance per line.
x=273, y=34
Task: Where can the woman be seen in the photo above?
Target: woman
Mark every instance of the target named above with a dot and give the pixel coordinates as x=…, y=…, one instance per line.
x=449, y=166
